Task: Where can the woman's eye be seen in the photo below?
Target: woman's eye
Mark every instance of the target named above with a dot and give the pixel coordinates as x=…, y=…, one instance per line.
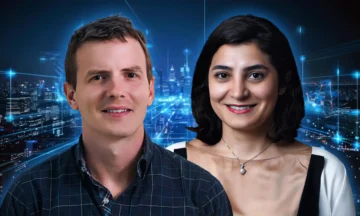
x=256, y=76
x=221, y=75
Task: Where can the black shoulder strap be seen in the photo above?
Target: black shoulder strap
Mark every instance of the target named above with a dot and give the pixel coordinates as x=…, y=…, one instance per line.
x=181, y=152
x=309, y=203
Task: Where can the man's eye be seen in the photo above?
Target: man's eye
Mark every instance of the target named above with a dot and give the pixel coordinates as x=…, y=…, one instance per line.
x=98, y=77
x=131, y=75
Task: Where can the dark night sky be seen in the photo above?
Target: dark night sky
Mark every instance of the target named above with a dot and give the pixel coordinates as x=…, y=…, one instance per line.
x=29, y=28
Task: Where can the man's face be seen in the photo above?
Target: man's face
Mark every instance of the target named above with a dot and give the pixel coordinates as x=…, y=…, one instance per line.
x=113, y=90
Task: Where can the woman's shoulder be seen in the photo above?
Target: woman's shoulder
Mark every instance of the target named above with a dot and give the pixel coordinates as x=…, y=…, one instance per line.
x=334, y=172
x=335, y=191
x=331, y=161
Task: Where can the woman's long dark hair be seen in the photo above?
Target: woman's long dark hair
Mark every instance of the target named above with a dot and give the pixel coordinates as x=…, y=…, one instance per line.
x=289, y=109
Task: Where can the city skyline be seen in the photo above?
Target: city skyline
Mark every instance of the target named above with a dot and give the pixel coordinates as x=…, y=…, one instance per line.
x=36, y=122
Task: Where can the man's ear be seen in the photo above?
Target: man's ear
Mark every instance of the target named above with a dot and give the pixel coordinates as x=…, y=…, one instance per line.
x=152, y=91
x=70, y=95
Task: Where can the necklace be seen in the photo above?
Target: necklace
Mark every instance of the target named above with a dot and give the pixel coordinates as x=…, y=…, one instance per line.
x=242, y=165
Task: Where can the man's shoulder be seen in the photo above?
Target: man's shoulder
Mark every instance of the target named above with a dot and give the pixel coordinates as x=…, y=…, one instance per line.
x=173, y=160
x=34, y=183
x=203, y=188
x=51, y=167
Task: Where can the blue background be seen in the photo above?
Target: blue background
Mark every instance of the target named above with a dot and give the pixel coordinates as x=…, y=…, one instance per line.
x=36, y=121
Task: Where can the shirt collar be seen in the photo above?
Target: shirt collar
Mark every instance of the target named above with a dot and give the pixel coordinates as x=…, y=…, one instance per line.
x=142, y=164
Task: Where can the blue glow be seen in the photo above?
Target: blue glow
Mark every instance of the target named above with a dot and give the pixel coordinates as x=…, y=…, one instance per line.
x=356, y=74
x=79, y=26
x=302, y=58
x=11, y=73
x=337, y=71
x=185, y=111
x=338, y=138
x=10, y=118
x=357, y=138
x=42, y=59
x=313, y=107
x=356, y=145
x=300, y=29
x=149, y=45
x=355, y=112
x=59, y=98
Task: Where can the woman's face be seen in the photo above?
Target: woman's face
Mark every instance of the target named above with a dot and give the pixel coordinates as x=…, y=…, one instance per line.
x=243, y=86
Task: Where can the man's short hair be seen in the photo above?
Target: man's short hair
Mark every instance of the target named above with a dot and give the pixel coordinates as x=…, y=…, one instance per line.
x=104, y=29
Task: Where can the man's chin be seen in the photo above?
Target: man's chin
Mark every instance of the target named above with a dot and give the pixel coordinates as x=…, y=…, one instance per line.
x=120, y=131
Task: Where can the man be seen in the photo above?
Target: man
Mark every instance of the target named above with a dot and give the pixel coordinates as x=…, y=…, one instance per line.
x=114, y=169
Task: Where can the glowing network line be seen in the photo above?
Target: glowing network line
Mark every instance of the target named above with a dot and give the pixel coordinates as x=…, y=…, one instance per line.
x=154, y=107
x=43, y=132
x=169, y=120
x=162, y=111
x=320, y=132
x=338, y=138
x=42, y=154
x=38, y=128
x=11, y=74
x=357, y=76
x=329, y=76
x=204, y=20
x=149, y=37
x=339, y=50
x=28, y=74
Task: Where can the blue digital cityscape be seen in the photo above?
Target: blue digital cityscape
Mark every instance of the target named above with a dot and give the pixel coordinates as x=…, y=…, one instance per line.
x=36, y=122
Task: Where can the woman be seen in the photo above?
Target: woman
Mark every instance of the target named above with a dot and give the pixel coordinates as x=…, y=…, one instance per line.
x=248, y=103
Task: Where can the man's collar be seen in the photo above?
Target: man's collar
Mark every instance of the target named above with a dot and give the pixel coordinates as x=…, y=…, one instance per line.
x=143, y=163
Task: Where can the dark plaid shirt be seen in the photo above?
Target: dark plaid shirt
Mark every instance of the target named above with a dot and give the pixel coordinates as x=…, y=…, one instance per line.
x=165, y=184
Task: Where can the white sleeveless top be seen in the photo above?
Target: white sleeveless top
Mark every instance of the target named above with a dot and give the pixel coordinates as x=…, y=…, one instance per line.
x=335, y=198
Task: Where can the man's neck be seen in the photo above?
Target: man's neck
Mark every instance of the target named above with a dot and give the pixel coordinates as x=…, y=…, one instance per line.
x=111, y=161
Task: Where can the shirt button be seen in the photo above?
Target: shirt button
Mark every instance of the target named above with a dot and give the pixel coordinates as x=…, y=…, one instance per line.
x=106, y=200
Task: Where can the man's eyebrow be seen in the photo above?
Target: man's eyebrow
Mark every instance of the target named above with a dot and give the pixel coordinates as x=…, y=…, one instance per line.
x=132, y=68
x=91, y=73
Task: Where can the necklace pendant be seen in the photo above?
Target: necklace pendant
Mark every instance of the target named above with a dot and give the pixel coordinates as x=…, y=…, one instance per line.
x=242, y=169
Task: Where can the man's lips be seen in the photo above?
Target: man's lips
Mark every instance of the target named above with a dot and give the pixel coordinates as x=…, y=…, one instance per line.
x=116, y=109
